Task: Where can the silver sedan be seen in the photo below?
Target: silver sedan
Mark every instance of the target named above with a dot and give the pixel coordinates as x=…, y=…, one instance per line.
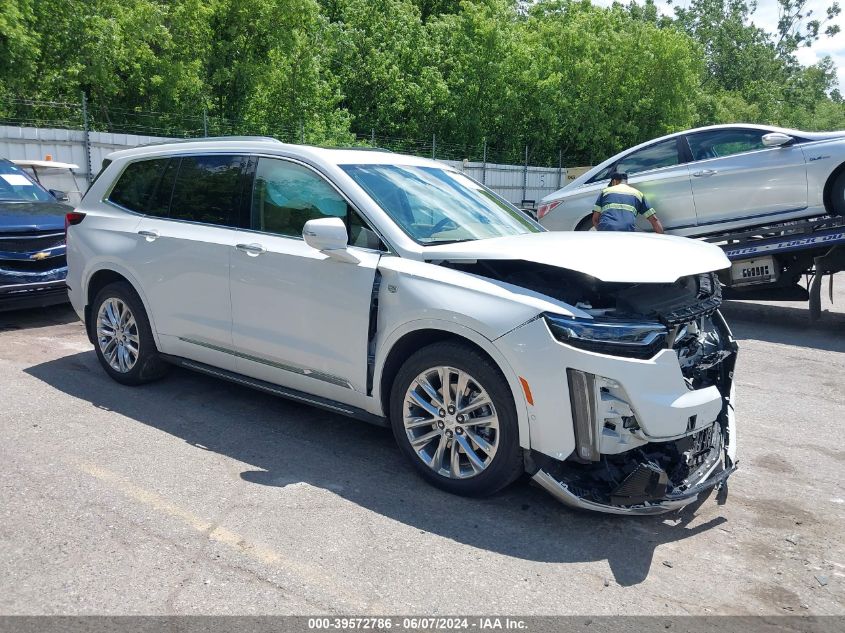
x=717, y=178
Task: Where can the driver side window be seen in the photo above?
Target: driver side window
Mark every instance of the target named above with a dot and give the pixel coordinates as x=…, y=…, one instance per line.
x=724, y=142
x=286, y=195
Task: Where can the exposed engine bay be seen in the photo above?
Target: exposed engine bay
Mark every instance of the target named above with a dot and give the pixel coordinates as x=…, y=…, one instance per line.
x=615, y=463
x=670, y=303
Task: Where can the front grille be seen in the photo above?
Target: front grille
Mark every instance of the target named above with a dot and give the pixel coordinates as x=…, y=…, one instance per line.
x=31, y=265
x=31, y=242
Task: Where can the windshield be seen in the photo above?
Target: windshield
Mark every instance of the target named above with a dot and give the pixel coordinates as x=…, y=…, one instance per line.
x=437, y=206
x=17, y=186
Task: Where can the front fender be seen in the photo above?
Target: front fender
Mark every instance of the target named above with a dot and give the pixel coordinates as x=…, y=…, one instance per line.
x=386, y=342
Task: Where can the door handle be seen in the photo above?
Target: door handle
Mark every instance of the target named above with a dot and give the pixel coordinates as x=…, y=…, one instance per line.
x=704, y=172
x=252, y=250
x=150, y=235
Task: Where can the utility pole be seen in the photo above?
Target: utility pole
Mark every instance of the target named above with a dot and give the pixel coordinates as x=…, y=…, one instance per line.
x=205, y=121
x=433, y=146
x=484, y=164
x=525, y=175
x=87, y=139
x=559, y=168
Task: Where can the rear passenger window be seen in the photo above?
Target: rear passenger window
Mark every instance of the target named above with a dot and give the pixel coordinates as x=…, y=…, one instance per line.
x=208, y=189
x=138, y=184
x=159, y=202
x=663, y=154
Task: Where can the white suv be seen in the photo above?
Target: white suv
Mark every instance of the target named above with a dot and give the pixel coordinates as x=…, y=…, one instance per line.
x=396, y=290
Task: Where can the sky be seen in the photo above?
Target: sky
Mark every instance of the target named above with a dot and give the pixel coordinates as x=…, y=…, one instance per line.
x=766, y=17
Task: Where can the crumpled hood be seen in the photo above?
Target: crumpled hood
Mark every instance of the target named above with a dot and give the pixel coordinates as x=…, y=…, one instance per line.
x=607, y=256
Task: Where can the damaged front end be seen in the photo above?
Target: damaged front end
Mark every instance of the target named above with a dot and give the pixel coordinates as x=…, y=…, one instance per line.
x=623, y=461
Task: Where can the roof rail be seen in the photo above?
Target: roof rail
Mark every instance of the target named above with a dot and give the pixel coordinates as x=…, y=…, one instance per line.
x=266, y=139
x=359, y=148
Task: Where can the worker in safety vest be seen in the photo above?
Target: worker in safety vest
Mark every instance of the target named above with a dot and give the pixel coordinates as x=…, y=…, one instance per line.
x=618, y=206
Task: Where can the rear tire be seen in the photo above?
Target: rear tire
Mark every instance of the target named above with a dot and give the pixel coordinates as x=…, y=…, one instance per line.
x=123, y=339
x=837, y=195
x=460, y=444
x=586, y=224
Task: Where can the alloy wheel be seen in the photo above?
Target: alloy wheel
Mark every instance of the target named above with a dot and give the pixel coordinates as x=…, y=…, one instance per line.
x=117, y=335
x=451, y=422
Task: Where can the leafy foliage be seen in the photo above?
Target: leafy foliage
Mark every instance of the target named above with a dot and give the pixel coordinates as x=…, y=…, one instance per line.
x=562, y=78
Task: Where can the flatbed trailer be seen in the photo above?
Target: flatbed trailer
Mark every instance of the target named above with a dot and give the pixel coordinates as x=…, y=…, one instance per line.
x=768, y=262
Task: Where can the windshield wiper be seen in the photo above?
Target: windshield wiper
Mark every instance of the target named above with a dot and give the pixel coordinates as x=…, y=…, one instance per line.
x=439, y=242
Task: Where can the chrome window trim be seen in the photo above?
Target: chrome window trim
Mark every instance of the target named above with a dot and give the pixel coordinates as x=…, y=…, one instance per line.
x=745, y=153
x=167, y=156
x=163, y=156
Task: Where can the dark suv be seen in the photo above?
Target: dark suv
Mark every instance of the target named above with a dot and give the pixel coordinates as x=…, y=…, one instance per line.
x=32, y=242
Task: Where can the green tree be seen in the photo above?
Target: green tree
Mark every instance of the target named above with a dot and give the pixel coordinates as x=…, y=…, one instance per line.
x=19, y=43
x=799, y=26
x=294, y=96
x=385, y=67
x=611, y=80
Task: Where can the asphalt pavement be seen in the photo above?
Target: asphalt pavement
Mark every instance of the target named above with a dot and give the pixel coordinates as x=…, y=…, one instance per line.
x=194, y=496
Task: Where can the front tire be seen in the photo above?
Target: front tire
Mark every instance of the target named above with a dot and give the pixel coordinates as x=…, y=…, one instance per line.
x=454, y=418
x=123, y=339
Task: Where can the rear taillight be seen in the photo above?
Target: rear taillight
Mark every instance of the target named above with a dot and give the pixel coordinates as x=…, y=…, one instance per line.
x=73, y=218
x=544, y=209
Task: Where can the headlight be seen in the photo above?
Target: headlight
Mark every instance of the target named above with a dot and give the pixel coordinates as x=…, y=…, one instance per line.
x=631, y=339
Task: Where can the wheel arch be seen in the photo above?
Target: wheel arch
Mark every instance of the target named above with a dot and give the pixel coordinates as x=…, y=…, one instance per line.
x=586, y=220
x=406, y=340
x=827, y=192
x=99, y=279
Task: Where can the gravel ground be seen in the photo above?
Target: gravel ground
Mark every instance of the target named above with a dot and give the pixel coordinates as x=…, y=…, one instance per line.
x=197, y=496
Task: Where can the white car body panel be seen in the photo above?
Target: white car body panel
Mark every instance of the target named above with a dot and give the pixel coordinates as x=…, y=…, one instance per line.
x=296, y=317
x=769, y=183
x=823, y=158
x=186, y=255
x=656, y=390
x=302, y=310
x=667, y=188
x=387, y=341
x=747, y=189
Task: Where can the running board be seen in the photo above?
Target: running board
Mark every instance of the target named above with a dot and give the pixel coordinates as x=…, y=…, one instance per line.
x=276, y=390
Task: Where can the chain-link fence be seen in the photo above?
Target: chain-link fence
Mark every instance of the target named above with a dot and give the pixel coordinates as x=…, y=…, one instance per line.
x=81, y=114
x=95, y=131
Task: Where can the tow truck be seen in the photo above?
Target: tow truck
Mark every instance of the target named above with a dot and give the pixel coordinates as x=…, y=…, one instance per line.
x=768, y=262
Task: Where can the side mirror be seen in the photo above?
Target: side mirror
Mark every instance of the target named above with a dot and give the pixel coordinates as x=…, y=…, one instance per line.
x=776, y=139
x=61, y=196
x=328, y=235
